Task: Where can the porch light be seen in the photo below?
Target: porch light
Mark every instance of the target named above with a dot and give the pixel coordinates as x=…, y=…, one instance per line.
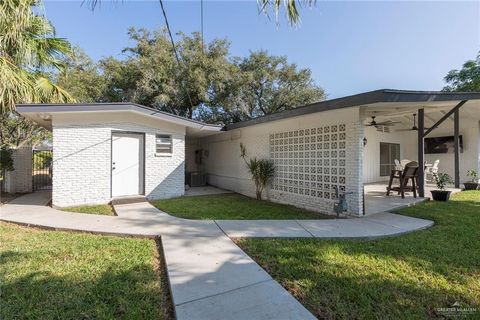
x=365, y=141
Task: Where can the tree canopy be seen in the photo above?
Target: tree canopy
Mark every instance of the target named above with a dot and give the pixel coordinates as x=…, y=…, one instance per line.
x=466, y=79
x=206, y=84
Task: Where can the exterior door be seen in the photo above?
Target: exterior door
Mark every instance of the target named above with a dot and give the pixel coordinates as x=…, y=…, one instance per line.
x=127, y=164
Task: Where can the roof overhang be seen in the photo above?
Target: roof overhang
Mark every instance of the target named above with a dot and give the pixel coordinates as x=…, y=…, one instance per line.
x=388, y=99
x=385, y=102
x=43, y=113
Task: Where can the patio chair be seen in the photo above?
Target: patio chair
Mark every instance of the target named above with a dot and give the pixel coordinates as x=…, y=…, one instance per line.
x=398, y=165
x=404, y=162
x=410, y=172
x=430, y=171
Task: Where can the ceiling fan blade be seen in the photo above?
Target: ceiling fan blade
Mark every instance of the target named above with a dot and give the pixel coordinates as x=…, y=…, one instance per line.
x=387, y=123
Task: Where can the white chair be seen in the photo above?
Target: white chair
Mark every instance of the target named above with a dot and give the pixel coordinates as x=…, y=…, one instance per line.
x=404, y=162
x=398, y=165
x=431, y=170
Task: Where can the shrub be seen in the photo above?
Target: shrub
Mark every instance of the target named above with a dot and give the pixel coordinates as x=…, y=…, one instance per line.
x=6, y=160
x=262, y=170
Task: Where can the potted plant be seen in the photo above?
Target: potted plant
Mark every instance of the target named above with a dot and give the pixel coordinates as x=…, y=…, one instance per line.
x=441, y=179
x=472, y=184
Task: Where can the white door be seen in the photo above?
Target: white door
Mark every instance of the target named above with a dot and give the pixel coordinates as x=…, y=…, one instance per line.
x=127, y=164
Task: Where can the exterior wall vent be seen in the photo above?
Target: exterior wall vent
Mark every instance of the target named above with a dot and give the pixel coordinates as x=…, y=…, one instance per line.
x=384, y=129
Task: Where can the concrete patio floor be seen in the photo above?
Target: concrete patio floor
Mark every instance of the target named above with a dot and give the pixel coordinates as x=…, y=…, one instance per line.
x=209, y=275
x=205, y=191
x=377, y=201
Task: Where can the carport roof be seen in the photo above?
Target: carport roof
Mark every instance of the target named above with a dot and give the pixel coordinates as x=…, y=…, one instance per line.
x=384, y=96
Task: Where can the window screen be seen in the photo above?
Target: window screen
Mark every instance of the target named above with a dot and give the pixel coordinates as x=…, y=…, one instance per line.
x=163, y=143
x=388, y=153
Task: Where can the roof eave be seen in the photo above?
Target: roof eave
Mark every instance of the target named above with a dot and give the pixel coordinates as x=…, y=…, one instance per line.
x=26, y=109
x=361, y=99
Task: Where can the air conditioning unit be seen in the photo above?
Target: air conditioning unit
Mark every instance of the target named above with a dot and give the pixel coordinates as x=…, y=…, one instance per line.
x=198, y=179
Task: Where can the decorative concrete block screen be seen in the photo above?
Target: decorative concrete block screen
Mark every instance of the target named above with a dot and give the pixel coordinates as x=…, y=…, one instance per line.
x=310, y=162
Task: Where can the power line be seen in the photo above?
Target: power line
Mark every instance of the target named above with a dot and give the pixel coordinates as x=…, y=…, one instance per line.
x=201, y=19
x=175, y=49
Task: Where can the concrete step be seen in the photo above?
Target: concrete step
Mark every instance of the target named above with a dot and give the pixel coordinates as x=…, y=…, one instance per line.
x=128, y=200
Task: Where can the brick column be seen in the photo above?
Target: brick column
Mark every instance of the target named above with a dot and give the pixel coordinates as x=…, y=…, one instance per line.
x=354, y=168
x=20, y=179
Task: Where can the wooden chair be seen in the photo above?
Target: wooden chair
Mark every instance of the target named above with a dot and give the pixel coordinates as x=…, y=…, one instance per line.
x=410, y=172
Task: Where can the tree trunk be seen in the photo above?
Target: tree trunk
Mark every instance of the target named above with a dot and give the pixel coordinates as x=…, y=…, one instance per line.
x=258, y=192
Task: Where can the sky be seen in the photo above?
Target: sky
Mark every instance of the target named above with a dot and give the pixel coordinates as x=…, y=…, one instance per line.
x=350, y=47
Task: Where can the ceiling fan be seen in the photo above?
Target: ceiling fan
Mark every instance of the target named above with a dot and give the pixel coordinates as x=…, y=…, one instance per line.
x=414, y=128
x=374, y=123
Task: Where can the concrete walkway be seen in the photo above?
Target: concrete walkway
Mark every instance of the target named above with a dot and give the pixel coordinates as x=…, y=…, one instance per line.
x=210, y=276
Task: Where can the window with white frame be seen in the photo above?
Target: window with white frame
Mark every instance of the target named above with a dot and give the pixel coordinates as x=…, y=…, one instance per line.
x=163, y=144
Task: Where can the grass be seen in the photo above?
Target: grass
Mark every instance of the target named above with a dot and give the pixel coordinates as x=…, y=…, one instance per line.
x=102, y=209
x=232, y=206
x=60, y=275
x=405, y=277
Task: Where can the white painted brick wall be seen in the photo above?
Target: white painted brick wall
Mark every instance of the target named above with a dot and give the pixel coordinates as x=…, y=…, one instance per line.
x=354, y=167
x=82, y=163
x=227, y=170
x=20, y=180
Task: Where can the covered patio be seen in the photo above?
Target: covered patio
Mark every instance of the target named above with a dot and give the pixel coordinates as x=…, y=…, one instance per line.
x=376, y=201
x=439, y=130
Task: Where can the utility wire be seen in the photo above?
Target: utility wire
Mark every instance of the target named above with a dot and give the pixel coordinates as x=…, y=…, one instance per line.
x=201, y=20
x=175, y=50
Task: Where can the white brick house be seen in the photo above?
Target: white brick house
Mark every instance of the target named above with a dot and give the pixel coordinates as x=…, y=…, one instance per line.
x=103, y=151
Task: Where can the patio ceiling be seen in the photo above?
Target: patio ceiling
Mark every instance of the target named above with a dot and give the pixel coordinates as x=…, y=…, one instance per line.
x=403, y=112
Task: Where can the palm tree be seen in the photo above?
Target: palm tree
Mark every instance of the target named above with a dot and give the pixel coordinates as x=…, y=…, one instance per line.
x=28, y=51
x=290, y=8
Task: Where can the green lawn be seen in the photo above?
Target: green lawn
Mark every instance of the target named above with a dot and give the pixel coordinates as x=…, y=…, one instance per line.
x=102, y=209
x=232, y=206
x=395, y=278
x=60, y=275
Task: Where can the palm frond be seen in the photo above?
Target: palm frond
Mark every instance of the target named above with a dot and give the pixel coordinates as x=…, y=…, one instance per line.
x=291, y=8
x=28, y=46
x=47, y=91
x=16, y=85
